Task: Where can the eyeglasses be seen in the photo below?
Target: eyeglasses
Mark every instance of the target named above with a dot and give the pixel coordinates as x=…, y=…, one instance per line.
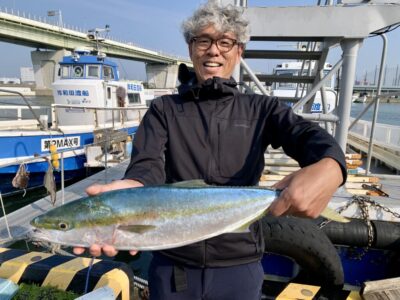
x=223, y=44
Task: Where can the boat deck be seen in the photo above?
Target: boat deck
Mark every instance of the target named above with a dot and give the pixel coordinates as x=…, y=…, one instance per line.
x=19, y=219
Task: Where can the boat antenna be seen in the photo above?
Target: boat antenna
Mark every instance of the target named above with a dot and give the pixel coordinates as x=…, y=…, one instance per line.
x=97, y=36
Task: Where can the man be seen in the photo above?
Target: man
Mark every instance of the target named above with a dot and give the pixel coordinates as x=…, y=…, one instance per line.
x=211, y=131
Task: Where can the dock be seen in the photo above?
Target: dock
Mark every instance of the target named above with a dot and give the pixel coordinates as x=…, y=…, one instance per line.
x=18, y=220
x=389, y=156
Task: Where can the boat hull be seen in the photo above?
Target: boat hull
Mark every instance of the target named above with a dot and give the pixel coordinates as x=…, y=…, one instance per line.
x=23, y=148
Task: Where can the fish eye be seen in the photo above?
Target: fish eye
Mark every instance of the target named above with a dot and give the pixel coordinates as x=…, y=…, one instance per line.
x=63, y=226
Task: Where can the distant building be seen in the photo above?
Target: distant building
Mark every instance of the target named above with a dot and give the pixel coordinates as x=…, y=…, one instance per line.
x=9, y=80
x=27, y=75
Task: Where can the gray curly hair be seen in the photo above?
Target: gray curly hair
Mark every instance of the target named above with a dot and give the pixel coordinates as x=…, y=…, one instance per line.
x=223, y=18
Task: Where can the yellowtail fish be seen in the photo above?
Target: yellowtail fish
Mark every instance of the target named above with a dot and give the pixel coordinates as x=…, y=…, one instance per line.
x=155, y=217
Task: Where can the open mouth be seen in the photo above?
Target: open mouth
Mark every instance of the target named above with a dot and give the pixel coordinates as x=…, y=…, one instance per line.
x=212, y=64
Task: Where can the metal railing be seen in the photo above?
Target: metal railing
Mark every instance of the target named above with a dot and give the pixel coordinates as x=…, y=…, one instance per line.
x=122, y=118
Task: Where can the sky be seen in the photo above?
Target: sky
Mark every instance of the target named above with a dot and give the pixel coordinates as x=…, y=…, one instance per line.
x=155, y=25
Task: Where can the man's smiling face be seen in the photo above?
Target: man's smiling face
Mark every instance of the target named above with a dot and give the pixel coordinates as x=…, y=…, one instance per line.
x=212, y=62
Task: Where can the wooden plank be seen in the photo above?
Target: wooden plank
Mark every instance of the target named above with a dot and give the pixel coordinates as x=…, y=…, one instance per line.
x=353, y=178
x=281, y=162
x=388, y=289
x=353, y=156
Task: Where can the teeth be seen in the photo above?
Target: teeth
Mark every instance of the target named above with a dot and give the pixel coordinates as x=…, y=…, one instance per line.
x=212, y=64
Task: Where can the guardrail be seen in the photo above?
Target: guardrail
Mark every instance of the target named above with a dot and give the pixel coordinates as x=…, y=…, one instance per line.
x=122, y=116
x=387, y=136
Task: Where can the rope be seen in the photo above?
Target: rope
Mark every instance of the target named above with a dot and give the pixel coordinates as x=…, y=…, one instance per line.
x=88, y=275
x=5, y=217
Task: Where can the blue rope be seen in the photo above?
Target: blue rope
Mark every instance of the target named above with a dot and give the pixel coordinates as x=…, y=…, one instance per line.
x=88, y=275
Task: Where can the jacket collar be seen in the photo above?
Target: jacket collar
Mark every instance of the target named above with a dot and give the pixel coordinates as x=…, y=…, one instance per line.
x=215, y=88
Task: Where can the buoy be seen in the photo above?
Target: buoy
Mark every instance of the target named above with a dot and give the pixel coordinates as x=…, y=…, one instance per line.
x=54, y=156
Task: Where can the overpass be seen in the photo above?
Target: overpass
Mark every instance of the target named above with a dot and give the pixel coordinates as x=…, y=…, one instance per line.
x=22, y=30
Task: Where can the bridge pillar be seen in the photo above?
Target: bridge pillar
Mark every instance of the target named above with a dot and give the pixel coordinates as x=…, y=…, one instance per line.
x=161, y=76
x=45, y=68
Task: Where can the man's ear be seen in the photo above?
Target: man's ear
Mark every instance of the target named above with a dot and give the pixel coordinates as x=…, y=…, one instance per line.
x=190, y=51
x=240, y=52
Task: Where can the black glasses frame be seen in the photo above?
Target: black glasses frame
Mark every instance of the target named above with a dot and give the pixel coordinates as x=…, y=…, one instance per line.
x=217, y=42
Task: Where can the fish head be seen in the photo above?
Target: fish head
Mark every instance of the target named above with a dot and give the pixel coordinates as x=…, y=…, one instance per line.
x=53, y=222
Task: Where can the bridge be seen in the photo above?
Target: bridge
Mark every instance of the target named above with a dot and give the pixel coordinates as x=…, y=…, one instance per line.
x=17, y=28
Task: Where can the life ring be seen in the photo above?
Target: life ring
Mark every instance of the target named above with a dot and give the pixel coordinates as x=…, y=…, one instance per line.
x=301, y=240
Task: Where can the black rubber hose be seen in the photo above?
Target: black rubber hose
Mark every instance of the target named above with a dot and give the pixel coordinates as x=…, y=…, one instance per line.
x=301, y=240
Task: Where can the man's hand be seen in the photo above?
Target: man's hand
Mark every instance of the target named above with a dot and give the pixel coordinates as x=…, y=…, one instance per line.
x=95, y=250
x=306, y=192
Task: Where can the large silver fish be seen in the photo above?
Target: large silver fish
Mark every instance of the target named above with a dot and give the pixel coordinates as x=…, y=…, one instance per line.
x=155, y=217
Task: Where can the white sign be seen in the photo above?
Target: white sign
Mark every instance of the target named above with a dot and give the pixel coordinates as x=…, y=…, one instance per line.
x=61, y=143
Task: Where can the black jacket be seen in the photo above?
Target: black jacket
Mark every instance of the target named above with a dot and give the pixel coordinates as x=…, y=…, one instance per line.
x=214, y=132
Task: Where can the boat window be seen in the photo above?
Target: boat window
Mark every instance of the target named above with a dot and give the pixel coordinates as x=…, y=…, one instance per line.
x=93, y=71
x=108, y=92
x=77, y=71
x=64, y=71
x=286, y=85
x=134, y=98
x=108, y=73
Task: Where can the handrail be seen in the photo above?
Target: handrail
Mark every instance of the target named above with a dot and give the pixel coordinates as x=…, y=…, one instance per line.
x=27, y=103
x=378, y=92
x=138, y=108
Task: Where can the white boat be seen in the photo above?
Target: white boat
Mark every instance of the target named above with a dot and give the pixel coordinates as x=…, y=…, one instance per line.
x=289, y=90
x=88, y=97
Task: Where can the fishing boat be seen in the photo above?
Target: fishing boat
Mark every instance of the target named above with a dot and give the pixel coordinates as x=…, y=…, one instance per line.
x=91, y=104
x=289, y=91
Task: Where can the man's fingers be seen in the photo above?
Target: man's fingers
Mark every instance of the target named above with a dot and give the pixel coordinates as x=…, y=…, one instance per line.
x=279, y=207
x=133, y=252
x=78, y=250
x=109, y=250
x=94, y=189
x=95, y=250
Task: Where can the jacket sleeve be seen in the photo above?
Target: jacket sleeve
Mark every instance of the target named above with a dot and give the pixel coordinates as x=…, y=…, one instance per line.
x=303, y=140
x=147, y=160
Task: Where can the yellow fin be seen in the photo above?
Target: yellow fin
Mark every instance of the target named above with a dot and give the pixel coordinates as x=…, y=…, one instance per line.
x=136, y=228
x=334, y=216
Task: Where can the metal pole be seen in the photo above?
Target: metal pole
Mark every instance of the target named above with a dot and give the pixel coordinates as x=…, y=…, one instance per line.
x=5, y=217
x=350, y=50
x=253, y=77
x=62, y=178
x=376, y=107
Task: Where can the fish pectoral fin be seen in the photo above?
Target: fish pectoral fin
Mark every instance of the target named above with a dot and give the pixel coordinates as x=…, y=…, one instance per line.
x=136, y=228
x=331, y=214
x=190, y=183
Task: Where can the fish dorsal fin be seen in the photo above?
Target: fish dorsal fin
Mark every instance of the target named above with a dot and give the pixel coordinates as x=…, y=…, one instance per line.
x=331, y=214
x=191, y=183
x=136, y=228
